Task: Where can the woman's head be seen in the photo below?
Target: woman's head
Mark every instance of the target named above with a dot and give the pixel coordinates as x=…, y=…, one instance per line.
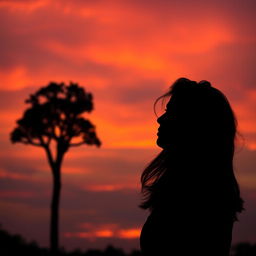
x=197, y=115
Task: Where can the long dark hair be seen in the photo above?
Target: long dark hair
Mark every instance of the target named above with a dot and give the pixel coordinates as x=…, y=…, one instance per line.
x=206, y=137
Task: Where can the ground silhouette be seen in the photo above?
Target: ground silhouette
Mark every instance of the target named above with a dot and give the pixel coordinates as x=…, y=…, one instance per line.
x=15, y=245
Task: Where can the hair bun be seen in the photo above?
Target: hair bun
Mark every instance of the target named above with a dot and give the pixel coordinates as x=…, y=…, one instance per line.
x=205, y=83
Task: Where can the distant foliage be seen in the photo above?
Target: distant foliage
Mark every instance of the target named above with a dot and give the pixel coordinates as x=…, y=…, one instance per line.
x=15, y=245
x=12, y=245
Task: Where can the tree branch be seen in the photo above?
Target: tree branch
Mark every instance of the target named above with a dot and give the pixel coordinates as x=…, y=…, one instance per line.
x=49, y=156
x=30, y=141
x=49, y=141
x=35, y=144
x=76, y=144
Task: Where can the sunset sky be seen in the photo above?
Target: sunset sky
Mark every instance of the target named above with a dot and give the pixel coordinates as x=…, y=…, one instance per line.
x=126, y=53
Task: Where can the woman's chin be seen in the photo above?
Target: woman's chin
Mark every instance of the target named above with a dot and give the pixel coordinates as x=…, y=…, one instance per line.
x=160, y=143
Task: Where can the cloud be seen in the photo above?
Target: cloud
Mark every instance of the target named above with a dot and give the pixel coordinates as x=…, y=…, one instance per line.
x=106, y=233
x=16, y=194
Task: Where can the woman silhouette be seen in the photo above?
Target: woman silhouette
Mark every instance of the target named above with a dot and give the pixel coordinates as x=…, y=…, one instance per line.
x=190, y=187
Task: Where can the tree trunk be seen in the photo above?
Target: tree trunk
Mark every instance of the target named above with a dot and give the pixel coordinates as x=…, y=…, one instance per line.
x=54, y=226
x=56, y=172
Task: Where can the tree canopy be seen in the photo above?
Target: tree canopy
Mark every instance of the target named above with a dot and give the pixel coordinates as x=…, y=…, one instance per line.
x=55, y=114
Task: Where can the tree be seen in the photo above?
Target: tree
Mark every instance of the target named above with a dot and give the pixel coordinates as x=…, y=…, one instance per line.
x=54, y=122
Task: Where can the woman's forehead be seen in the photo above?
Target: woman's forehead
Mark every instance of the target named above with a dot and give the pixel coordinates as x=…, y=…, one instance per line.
x=171, y=102
x=175, y=103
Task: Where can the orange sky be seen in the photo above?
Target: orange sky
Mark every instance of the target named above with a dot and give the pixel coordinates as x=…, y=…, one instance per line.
x=126, y=53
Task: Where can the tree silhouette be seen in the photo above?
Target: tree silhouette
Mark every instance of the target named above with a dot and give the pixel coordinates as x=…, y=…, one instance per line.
x=54, y=122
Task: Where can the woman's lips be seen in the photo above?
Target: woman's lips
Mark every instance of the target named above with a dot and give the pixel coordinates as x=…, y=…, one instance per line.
x=161, y=131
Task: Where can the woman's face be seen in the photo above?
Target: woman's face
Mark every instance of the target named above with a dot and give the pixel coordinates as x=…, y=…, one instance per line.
x=168, y=125
x=184, y=124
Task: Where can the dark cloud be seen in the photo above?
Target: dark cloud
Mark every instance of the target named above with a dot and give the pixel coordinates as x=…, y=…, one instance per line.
x=245, y=162
x=15, y=99
x=244, y=230
x=141, y=92
x=235, y=66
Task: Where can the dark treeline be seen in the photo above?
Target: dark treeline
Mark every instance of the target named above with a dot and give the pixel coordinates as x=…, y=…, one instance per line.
x=14, y=245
